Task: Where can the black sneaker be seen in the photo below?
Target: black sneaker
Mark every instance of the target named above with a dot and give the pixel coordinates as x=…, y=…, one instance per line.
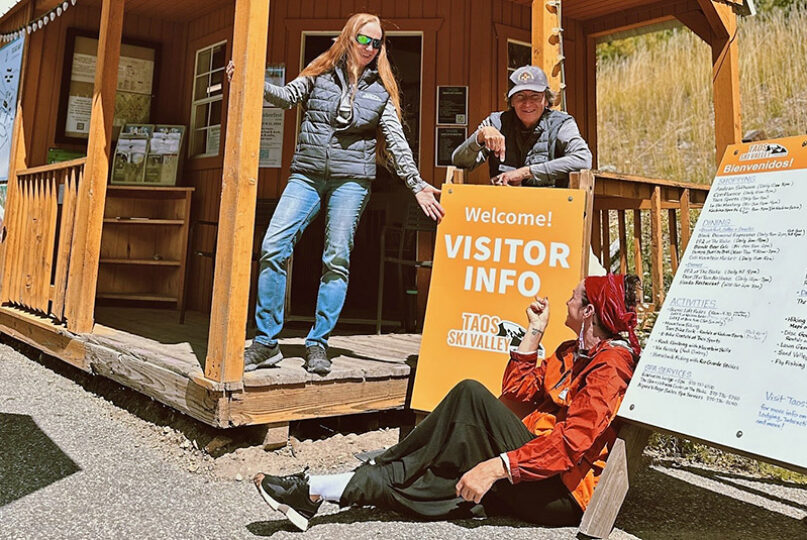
x=290, y=495
x=316, y=360
x=258, y=355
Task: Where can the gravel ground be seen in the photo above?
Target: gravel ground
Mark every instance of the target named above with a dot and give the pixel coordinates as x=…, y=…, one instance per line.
x=81, y=457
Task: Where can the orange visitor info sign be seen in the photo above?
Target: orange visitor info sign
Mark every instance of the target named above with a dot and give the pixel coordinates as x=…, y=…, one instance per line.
x=496, y=249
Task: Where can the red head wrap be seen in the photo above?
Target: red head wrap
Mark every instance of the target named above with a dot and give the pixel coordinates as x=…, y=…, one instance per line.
x=607, y=295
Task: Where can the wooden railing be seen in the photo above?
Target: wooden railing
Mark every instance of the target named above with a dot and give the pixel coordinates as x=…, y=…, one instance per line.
x=39, y=223
x=664, y=204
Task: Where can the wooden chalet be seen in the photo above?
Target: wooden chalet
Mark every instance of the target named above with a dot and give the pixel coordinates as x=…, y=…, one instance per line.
x=96, y=273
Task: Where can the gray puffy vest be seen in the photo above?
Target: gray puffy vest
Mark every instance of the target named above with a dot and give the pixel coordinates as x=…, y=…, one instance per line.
x=540, y=147
x=327, y=150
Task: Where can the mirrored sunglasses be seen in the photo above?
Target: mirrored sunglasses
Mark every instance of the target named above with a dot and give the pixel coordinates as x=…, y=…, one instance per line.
x=363, y=40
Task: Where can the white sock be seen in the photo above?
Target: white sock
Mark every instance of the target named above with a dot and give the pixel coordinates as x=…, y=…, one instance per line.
x=329, y=486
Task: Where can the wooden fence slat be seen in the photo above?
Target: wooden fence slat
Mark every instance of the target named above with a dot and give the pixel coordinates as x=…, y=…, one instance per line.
x=27, y=225
x=673, y=225
x=623, y=242
x=596, y=234
x=606, y=239
x=686, y=232
x=13, y=256
x=9, y=261
x=35, y=249
x=37, y=275
x=65, y=243
x=50, y=239
x=656, y=252
x=637, y=245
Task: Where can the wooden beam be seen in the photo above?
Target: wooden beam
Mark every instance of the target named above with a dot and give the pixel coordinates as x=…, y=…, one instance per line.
x=696, y=21
x=42, y=334
x=713, y=12
x=726, y=84
x=80, y=299
x=591, y=98
x=164, y=385
x=546, y=52
x=623, y=461
x=239, y=190
x=264, y=405
x=637, y=19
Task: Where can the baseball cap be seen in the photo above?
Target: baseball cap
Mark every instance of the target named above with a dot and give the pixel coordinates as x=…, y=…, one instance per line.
x=528, y=78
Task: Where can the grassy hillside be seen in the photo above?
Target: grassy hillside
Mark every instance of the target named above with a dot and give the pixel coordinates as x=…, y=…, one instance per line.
x=655, y=97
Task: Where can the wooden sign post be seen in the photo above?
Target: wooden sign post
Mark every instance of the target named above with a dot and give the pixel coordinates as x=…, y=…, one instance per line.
x=726, y=363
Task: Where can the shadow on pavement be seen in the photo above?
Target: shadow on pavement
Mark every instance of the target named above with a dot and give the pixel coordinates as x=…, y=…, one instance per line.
x=367, y=515
x=29, y=459
x=660, y=506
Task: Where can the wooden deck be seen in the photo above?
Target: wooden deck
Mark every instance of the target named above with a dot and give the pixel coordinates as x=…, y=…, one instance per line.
x=150, y=352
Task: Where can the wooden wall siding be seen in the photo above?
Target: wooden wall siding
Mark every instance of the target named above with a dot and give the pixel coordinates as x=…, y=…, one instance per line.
x=204, y=174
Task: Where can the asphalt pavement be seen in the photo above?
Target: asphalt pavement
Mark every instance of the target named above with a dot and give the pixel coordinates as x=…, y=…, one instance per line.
x=74, y=465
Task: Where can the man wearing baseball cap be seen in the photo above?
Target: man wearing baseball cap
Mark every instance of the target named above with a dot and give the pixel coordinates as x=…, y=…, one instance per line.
x=529, y=144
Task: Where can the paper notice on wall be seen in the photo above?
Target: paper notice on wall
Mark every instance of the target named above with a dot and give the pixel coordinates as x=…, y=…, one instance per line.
x=727, y=359
x=79, y=110
x=135, y=75
x=271, y=138
x=83, y=68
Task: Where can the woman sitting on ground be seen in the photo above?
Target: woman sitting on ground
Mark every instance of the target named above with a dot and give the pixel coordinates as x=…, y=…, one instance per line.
x=473, y=456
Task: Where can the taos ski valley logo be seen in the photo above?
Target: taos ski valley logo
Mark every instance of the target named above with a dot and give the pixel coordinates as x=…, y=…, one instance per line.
x=764, y=151
x=489, y=333
x=768, y=151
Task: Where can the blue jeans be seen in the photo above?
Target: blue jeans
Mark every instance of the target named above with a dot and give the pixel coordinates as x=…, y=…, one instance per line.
x=302, y=200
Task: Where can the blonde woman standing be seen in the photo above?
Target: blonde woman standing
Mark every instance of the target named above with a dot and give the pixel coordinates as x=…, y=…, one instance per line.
x=351, y=119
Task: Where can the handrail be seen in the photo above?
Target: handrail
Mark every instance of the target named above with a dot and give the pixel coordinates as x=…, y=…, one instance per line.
x=601, y=175
x=52, y=167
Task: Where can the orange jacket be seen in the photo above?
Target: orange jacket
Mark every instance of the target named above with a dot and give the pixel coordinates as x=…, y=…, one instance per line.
x=574, y=405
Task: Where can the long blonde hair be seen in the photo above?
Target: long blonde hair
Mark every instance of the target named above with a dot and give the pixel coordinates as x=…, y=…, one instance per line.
x=344, y=47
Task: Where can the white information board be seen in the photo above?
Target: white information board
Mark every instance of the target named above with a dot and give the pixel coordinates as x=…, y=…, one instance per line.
x=726, y=362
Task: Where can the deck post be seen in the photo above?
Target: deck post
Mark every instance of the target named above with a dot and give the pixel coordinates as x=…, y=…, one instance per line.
x=546, y=41
x=80, y=298
x=584, y=180
x=239, y=191
x=725, y=73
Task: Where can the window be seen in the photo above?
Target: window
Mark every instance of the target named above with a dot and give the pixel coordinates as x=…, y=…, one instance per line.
x=205, y=136
x=518, y=54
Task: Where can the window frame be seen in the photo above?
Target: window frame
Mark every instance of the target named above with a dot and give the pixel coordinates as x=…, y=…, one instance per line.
x=205, y=101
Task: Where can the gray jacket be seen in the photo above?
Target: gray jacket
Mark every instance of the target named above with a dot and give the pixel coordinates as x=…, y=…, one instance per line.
x=550, y=161
x=338, y=137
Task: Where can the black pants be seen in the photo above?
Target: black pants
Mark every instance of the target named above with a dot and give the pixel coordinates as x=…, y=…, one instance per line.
x=419, y=475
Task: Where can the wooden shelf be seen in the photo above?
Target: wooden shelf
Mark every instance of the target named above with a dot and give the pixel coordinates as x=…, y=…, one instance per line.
x=142, y=262
x=141, y=297
x=148, y=188
x=130, y=221
x=141, y=222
